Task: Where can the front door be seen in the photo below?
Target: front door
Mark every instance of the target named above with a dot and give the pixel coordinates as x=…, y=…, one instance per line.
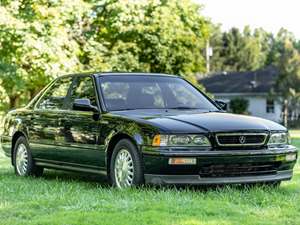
x=45, y=124
x=81, y=130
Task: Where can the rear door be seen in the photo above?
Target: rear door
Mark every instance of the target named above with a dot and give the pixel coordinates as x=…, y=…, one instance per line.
x=45, y=123
x=81, y=129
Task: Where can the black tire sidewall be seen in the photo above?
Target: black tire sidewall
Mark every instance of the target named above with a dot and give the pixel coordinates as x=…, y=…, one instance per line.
x=138, y=177
x=30, y=165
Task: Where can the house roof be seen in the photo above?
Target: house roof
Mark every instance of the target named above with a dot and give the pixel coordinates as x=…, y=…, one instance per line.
x=259, y=81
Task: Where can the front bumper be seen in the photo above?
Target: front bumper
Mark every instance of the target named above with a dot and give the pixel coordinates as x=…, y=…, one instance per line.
x=196, y=179
x=219, y=167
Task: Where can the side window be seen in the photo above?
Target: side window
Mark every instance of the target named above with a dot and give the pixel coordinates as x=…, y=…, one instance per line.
x=84, y=88
x=54, y=98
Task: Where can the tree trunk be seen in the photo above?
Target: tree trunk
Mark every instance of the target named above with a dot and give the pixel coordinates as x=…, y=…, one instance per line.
x=31, y=94
x=285, y=113
x=13, y=102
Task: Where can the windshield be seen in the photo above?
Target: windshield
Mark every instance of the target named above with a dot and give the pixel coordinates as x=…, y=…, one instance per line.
x=123, y=92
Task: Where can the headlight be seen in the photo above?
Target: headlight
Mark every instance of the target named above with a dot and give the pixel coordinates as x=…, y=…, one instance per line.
x=279, y=139
x=181, y=140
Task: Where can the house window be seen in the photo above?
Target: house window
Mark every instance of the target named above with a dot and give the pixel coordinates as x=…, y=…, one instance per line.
x=270, y=108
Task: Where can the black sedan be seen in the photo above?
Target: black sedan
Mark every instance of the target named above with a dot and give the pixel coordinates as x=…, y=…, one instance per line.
x=143, y=128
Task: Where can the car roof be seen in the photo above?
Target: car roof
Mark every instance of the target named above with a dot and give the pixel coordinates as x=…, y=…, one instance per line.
x=99, y=74
x=134, y=74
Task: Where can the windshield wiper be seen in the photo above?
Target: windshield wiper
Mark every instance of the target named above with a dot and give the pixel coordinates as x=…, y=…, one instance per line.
x=183, y=108
x=127, y=109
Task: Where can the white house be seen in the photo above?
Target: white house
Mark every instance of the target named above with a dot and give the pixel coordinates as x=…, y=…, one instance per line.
x=255, y=86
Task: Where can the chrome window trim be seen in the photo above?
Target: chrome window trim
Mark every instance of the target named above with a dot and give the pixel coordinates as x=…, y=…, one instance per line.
x=241, y=134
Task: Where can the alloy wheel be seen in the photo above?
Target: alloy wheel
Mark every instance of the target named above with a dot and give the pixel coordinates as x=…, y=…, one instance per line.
x=22, y=159
x=124, y=169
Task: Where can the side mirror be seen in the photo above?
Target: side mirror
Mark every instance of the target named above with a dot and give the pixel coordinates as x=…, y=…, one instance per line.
x=84, y=104
x=221, y=104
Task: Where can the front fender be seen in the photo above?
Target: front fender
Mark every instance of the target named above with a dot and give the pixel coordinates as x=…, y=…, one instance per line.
x=140, y=134
x=131, y=130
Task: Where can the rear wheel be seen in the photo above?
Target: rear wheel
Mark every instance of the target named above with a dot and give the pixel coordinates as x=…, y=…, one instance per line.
x=23, y=161
x=125, y=166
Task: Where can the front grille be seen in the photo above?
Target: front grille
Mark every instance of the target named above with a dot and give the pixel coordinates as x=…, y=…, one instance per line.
x=242, y=169
x=241, y=139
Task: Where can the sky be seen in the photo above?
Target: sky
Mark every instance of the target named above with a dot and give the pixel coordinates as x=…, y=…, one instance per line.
x=268, y=14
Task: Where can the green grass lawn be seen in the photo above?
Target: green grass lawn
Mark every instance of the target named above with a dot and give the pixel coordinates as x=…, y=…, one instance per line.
x=69, y=198
x=295, y=133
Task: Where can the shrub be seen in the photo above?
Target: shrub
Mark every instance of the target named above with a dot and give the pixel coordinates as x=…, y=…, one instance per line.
x=239, y=105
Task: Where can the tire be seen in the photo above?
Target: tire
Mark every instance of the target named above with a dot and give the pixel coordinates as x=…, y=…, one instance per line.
x=22, y=160
x=126, y=165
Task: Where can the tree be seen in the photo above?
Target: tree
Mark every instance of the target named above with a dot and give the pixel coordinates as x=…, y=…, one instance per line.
x=288, y=82
x=37, y=44
x=153, y=36
x=239, y=51
x=41, y=40
x=216, y=42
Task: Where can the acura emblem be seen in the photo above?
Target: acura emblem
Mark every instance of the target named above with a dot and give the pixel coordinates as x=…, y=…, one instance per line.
x=242, y=139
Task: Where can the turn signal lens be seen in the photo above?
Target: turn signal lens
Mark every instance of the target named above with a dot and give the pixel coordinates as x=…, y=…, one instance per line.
x=160, y=140
x=156, y=140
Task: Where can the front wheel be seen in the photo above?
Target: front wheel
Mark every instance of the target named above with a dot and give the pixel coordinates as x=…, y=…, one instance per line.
x=23, y=161
x=126, y=165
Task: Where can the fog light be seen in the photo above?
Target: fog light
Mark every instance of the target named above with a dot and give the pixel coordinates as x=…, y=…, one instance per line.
x=182, y=161
x=291, y=157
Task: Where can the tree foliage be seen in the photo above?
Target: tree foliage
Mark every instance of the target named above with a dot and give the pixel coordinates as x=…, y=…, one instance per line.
x=239, y=51
x=286, y=55
x=239, y=105
x=43, y=39
x=40, y=40
x=37, y=44
x=247, y=51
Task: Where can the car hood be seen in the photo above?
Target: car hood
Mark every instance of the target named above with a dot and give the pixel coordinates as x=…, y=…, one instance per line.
x=178, y=121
